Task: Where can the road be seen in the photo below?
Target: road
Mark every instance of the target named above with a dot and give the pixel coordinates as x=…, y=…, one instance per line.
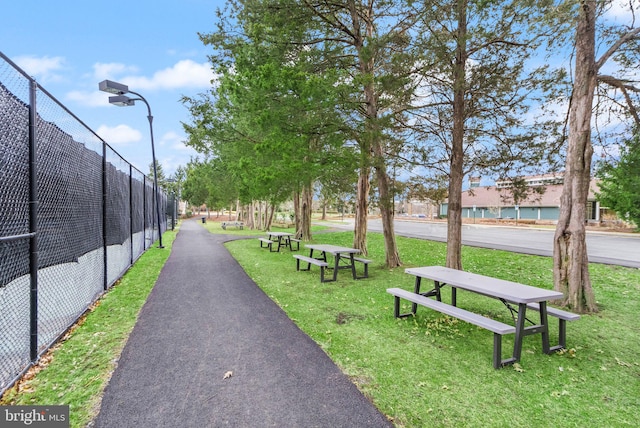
x=603, y=247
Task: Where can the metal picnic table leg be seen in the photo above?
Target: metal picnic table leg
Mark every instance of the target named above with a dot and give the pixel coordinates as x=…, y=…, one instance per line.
x=435, y=292
x=416, y=289
x=310, y=256
x=544, y=322
x=414, y=306
x=520, y=332
x=336, y=258
x=353, y=266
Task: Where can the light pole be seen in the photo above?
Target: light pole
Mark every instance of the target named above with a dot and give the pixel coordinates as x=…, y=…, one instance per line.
x=122, y=100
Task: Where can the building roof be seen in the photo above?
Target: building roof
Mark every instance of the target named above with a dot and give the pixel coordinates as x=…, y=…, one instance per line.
x=492, y=196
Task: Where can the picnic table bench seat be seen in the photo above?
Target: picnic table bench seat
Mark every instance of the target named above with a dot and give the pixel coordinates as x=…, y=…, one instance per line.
x=365, y=262
x=311, y=261
x=563, y=317
x=266, y=243
x=297, y=241
x=498, y=328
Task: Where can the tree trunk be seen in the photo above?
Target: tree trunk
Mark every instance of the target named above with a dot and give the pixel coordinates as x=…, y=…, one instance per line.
x=392, y=258
x=251, y=223
x=454, y=223
x=570, y=259
x=297, y=214
x=265, y=214
x=362, y=208
x=454, y=208
x=372, y=147
x=269, y=220
x=305, y=211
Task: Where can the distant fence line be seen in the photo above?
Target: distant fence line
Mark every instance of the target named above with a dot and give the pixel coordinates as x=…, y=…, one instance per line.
x=74, y=216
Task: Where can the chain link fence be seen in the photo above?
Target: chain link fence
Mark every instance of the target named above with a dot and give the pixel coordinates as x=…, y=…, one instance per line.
x=74, y=215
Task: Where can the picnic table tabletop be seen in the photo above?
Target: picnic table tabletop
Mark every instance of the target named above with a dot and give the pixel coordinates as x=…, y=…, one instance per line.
x=493, y=287
x=276, y=234
x=332, y=249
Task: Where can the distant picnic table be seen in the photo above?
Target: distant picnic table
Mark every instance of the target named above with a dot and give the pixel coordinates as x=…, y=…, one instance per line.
x=279, y=239
x=343, y=258
x=237, y=224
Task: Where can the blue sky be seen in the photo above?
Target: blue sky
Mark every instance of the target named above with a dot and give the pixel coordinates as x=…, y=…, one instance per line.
x=152, y=46
x=69, y=46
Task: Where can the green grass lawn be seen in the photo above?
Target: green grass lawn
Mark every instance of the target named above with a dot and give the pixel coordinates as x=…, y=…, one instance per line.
x=431, y=370
x=422, y=371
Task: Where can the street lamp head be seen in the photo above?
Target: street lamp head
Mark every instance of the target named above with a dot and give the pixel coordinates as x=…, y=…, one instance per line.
x=113, y=87
x=121, y=101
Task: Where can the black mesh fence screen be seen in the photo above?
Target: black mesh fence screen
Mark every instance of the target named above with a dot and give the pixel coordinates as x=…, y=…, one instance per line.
x=137, y=209
x=149, y=217
x=94, y=218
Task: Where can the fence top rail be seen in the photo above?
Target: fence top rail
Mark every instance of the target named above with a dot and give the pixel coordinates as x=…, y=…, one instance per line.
x=17, y=237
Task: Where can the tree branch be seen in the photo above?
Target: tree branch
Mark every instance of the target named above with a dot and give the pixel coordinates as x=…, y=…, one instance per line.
x=624, y=88
x=631, y=35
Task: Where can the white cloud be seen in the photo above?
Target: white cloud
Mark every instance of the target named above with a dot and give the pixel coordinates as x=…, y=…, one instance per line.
x=102, y=71
x=171, y=139
x=89, y=99
x=181, y=147
x=184, y=74
x=120, y=135
x=176, y=142
x=173, y=153
x=42, y=68
x=176, y=157
x=619, y=11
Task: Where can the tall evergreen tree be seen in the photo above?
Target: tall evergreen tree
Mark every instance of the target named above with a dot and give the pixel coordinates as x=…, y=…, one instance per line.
x=272, y=115
x=475, y=89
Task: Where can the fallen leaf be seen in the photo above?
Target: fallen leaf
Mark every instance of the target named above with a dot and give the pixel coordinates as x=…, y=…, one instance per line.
x=622, y=363
x=227, y=375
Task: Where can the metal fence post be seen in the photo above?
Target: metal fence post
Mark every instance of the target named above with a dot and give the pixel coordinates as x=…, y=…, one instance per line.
x=131, y=210
x=33, y=221
x=105, y=270
x=173, y=211
x=144, y=212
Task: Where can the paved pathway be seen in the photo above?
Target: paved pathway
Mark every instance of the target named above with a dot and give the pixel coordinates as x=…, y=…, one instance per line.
x=205, y=317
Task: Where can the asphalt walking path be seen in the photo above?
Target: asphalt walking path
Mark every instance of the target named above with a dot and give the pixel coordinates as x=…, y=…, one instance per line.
x=204, y=318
